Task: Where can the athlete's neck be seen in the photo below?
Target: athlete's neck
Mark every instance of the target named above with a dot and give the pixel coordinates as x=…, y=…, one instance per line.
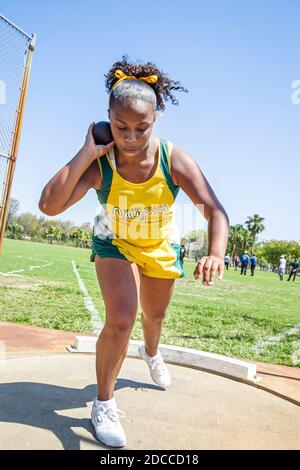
x=136, y=160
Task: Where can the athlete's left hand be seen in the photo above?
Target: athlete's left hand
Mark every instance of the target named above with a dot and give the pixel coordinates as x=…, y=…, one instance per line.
x=207, y=267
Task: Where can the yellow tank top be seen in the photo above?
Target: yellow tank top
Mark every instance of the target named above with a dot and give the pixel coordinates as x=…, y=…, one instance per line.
x=137, y=215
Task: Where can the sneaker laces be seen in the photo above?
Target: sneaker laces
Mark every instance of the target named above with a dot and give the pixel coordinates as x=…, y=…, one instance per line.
x=105, y=412
x=158, y=363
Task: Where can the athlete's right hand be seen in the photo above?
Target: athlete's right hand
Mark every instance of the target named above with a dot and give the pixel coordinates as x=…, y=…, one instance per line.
x=96, y=150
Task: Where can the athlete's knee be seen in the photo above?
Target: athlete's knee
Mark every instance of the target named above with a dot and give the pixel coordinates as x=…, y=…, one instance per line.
x=122, y=320
x=155, y=316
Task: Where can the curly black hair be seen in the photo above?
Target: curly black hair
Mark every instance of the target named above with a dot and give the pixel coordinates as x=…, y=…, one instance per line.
x=163, y=87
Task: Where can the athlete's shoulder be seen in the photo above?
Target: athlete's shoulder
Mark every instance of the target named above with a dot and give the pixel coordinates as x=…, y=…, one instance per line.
x=181, y=162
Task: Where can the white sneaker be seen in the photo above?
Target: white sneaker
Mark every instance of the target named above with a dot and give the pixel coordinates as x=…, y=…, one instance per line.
x=158, y=371
x=106, y=422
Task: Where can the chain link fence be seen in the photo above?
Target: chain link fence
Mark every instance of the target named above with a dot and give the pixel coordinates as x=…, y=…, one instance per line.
x=16, y=49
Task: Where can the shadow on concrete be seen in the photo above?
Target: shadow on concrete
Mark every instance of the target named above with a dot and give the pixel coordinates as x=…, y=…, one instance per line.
x=36, y=404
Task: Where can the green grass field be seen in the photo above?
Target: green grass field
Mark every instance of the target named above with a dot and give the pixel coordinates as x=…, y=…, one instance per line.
x=230, y=318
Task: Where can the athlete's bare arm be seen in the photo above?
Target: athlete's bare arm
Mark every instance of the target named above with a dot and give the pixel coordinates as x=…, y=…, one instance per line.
x=91, y=178
x=73, y=181
x=186, y=173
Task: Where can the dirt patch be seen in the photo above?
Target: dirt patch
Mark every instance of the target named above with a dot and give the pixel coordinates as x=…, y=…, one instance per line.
x=19, y=283
x=26, y=282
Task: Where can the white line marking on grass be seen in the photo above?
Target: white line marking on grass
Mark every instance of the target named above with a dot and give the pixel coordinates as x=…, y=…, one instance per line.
x=263, y=344
x=16, y=271
x=38, y=267
x=31, y=268
x=95, y=317
x=9, y=274
x=35, y=259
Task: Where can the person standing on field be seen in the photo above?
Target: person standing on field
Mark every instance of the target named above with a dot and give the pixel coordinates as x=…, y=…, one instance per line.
x=294, y=269
x=253, y=263
x=138, y=262
x=244, y=262
x=227, y=261
x=281, y=267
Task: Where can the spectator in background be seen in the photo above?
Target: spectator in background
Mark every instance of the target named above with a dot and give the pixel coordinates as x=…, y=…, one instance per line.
x=183, y=252
x=236, y=263
x=281, y=267
x=253, y=263
x=245, y=261
x=294, y=269
x=227, y=261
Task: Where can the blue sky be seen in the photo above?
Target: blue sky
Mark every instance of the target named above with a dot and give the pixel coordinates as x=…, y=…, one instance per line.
x=238, y=60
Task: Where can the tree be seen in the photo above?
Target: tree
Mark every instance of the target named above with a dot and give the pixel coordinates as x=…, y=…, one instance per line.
x=64, y=236
x=29, y=222
x=40, y=227
x=15, y=231
x=197, y=243
x=87, y=227
x=78, y=236
x=273, y=249
x=260, y=254
x=13, y=208
x=64, y=225
x=255, y=226
x=191, y=236
x=238, y=239
x=52, y=233
x=247, y=240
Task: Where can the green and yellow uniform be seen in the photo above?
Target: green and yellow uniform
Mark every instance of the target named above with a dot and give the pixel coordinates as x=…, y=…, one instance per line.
x=137, y=222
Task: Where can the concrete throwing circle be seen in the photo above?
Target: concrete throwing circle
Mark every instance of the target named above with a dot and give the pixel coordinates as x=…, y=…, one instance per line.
x=45, y=403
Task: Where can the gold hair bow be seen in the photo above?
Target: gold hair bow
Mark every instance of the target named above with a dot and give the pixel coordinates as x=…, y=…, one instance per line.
x=122, y=76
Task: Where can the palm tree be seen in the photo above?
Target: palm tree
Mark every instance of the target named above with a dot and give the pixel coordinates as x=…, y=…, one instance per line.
x=237, y=235
x=247, y=239
x=255, y=226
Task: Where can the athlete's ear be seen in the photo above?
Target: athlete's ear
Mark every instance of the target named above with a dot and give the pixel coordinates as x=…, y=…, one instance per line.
x=108, y=113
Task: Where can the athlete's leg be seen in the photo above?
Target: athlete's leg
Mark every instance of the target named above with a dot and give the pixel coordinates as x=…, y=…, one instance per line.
x=119, y=283
x=155, y=296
